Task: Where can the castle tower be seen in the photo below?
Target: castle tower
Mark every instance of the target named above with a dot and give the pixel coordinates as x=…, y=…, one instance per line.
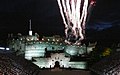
x=30, y=30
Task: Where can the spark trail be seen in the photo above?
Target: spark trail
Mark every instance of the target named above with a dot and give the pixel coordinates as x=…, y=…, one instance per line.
x=74, y=14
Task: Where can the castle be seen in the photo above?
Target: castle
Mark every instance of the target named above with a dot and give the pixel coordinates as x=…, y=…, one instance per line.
x=48, y=50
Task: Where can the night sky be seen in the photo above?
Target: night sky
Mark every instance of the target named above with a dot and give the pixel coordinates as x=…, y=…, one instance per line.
x=104, y=21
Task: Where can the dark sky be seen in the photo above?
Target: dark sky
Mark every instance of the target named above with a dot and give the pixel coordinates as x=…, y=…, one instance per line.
x=46, y=19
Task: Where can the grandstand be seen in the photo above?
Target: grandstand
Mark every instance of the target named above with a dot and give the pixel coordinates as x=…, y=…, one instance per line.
x=107, y=66
x=15, y=65
x=10, y=64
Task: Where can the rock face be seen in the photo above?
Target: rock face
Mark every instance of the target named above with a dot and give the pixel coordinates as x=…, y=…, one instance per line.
x=14, y=65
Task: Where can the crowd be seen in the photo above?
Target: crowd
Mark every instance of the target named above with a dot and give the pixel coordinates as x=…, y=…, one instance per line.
x=16, y=65
x=108, y=66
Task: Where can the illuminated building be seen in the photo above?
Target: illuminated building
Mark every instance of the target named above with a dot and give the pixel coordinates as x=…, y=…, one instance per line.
x=45, y=52
x=34, y=49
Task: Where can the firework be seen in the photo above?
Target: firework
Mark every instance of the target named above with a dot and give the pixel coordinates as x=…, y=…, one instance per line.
x=74, y=14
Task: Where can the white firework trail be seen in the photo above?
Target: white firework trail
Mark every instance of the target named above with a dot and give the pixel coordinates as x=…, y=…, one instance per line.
x=74, y=14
